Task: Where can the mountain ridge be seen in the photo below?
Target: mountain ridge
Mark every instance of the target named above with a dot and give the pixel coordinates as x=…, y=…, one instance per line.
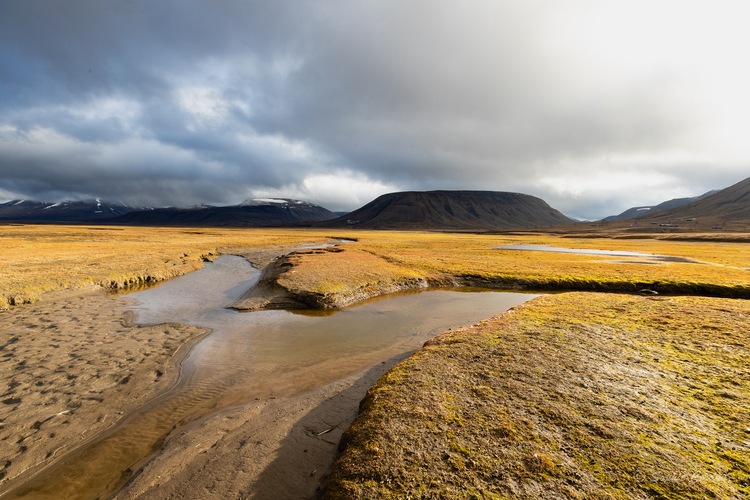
x=63, y=211
x=258, y=212
x=731, y=203
x=634, y=212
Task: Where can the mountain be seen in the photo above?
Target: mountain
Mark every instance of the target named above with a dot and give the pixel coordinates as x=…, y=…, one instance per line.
x=631, y=213
x=65, y=211
x=452, y=210
x=250, y=213
x=732, y=203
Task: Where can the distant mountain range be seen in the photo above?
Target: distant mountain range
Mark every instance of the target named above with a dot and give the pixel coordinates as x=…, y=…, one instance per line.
x=732, y=203
x=65, y=211
x=418, y=210
x=474, y=210
x=258, y=212
x=250, y=213
x=634, y=212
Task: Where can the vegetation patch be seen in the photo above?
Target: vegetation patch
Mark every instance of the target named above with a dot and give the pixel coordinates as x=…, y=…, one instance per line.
x=341, y=276
x=577, y=395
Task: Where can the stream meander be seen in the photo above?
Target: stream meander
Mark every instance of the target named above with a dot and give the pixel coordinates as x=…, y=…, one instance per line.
x=249, y=356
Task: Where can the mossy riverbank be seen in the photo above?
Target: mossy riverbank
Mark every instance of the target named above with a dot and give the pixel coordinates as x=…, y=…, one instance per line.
x=576, y=396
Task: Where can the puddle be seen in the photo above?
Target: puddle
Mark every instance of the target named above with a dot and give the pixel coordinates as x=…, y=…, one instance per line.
x=608, y=253
x=647, y=262
x=253, y=355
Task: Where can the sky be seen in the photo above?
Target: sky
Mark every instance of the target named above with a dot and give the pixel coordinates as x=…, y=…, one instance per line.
x=594, y=106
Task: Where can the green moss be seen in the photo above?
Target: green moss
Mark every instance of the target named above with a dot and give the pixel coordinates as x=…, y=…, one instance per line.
x=648, y=401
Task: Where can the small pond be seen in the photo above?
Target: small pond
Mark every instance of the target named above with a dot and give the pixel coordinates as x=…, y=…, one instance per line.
x=592, y=251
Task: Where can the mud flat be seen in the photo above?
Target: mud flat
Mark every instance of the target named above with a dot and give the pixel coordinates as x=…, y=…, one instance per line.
x=304, y=376
x=71, y=366
x=74, y=365
x=265, y=450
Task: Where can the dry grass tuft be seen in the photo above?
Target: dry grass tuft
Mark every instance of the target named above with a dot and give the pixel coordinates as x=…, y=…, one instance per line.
x=341, y=276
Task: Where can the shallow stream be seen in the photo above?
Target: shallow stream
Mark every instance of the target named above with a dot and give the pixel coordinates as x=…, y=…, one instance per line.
x=258, y=355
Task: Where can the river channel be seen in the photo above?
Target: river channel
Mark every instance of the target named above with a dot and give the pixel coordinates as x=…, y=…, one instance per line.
x=248, y=356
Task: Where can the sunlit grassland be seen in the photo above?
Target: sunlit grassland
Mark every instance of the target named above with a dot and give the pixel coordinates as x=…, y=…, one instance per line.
x=35, y=259
x=577, y=395
x=380, y=258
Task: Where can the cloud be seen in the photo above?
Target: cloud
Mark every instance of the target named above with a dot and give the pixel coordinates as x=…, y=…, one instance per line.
x=338, y=191
x=167, y=103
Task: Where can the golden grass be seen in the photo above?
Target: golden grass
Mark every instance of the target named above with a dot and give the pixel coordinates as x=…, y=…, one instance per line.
x=576, y=395
x=35, y=259
x=382, y=259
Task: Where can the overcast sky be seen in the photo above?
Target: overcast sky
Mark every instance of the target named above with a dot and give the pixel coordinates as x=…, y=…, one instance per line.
x=594, y=106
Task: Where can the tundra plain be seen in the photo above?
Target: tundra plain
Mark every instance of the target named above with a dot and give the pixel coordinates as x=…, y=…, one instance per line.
x=589, y=359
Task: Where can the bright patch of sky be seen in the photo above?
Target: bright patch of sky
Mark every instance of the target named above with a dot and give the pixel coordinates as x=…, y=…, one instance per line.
x=344, y=189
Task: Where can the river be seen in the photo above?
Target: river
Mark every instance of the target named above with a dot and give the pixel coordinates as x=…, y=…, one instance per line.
x=249, y=356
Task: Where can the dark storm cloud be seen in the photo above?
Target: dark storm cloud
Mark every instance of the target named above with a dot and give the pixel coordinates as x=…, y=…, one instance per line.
x=66, y=63
x=209, y=102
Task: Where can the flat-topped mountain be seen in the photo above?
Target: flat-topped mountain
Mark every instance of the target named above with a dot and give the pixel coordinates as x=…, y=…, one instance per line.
x=64, y=211
x=452, y=210
x=732, y=203
x=256, y=212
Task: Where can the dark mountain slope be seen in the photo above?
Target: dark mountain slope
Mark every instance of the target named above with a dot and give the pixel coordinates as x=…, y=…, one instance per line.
x=732, y=203
x=452, y=210
x=251, y=213
x=65, y=211
x=634, y=212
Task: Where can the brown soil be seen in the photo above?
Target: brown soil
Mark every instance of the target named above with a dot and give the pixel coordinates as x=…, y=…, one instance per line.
x=267, y=293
